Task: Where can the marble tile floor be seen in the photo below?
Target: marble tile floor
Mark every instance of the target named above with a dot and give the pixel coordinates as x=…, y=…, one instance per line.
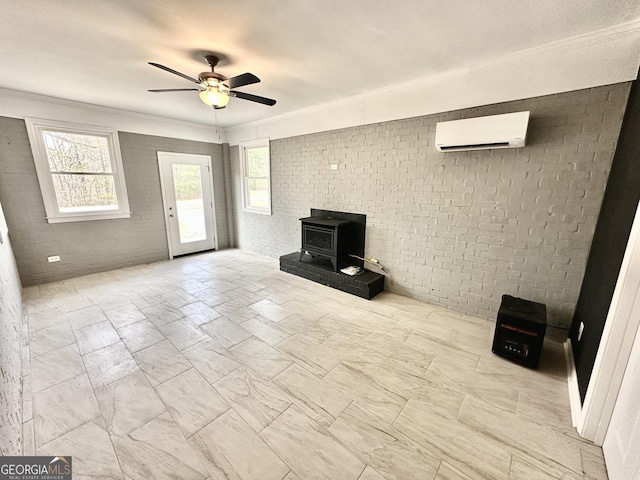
x=219, y=366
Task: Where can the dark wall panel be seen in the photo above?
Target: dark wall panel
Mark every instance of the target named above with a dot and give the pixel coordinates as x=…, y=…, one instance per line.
x=609, y=243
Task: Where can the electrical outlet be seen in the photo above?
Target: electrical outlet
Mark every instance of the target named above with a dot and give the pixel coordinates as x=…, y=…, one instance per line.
x=580, y=330
x=54, y=258
x=334, y=166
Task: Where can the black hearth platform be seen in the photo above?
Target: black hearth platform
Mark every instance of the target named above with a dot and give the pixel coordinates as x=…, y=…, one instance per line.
x=366, y=285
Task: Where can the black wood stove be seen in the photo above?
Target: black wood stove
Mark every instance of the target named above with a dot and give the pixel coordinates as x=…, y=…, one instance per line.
x=333, y=236
x=325, y=237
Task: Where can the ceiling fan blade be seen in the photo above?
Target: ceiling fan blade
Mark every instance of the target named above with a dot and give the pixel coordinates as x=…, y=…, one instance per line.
x=242, y=80
x=174, y=90
x=253, y=98
x=171, y=70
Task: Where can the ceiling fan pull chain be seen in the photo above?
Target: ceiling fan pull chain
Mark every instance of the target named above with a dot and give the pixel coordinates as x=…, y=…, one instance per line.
x=215, y=122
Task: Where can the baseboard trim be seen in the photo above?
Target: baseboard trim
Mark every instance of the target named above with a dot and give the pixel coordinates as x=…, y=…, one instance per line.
x=572, y=384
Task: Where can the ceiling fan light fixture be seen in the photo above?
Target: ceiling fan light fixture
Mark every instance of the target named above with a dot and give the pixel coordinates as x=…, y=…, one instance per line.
x=214, y=98
x=216, y=89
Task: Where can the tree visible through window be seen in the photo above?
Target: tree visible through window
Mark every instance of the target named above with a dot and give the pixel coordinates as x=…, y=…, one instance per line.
x=258, y=166
x=79, y=170
x=257, y=176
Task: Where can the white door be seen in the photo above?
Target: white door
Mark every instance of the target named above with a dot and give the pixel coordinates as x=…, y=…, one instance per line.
x=621, y=445
x=187, y=194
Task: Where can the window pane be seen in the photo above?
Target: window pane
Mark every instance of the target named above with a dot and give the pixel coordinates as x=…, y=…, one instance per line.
x=259, y=192
x=187, y=183
x=72, y=152
x=255, y=165
x=257, y=161
x=78, y=193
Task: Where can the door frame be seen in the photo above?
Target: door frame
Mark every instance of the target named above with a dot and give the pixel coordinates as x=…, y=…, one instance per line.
x=168, y=156
x=623, y=320
x=621, y=452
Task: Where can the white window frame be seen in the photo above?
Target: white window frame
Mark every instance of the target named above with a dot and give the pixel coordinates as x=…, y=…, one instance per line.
x=244, y=146
x=35, y=127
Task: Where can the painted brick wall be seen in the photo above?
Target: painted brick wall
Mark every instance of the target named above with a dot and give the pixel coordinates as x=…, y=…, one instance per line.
x=89, y=247
x=457, y=229
x=10, y=351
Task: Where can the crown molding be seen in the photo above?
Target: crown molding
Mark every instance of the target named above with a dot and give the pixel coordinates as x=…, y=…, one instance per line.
x=17, y=104
x=565, y=65
x=586, y=40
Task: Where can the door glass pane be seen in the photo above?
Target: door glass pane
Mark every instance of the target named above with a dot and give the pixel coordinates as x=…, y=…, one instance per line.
x=189, y=203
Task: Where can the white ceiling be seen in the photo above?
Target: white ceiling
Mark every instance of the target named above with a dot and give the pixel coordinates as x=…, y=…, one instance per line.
x=307, y=52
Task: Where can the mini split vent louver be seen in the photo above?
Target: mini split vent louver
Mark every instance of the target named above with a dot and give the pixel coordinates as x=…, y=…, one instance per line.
x=481, y=133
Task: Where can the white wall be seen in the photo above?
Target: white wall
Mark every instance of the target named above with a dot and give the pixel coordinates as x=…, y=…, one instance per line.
x=10, y=349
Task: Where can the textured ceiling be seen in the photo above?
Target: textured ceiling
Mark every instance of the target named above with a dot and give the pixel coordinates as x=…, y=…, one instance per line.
x=307, y=52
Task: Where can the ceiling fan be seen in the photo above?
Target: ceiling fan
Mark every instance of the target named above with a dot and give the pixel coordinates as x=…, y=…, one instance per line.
x=215, y=89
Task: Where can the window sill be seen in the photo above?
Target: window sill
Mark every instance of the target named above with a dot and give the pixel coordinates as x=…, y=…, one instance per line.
x=257, y=210
x=88, y=217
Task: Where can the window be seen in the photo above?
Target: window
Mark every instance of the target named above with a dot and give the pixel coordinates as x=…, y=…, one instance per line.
x=256, y=176
x=80, y=171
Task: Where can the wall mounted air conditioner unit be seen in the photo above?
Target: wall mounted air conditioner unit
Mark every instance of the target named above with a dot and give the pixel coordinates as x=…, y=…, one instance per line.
x=481, y=133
